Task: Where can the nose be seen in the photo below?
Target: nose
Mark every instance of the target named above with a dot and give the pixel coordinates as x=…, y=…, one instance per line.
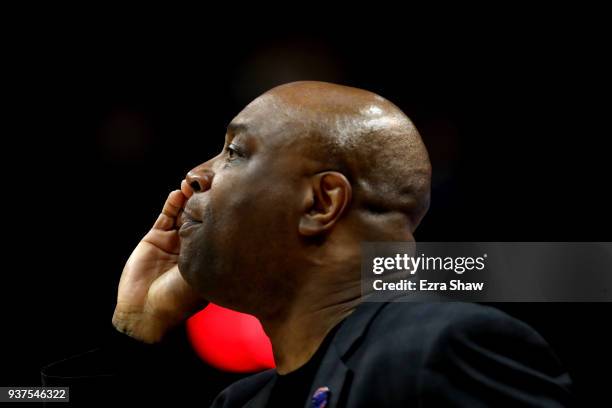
x=200, y=179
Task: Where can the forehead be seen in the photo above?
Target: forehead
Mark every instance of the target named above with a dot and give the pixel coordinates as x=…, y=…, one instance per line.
x=269, y=121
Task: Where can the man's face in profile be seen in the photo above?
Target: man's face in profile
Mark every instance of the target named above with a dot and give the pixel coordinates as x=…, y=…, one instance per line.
x=298, y=162
x=244, y=207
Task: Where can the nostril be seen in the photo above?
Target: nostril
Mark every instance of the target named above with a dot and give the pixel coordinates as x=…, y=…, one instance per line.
x=195, y=186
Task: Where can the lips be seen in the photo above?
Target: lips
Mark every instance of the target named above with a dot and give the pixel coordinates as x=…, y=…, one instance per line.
x=186, y=217
x=187, y=226
x=187, y=220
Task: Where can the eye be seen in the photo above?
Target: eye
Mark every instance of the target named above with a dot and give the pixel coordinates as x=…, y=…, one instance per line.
x=232, y=152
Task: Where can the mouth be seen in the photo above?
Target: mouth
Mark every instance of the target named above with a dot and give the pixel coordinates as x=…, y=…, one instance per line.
x=187, y=222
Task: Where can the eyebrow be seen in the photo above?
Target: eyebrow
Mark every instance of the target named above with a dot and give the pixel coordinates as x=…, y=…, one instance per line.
x=237, y=127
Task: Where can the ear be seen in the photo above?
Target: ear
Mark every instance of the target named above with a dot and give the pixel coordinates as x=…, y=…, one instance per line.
x=328, y=195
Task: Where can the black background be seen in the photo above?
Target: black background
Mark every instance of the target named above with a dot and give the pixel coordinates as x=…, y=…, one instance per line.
x=105, y=118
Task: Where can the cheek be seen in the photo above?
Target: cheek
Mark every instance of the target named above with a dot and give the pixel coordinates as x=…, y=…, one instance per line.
x=263, y=223
x=250, y=215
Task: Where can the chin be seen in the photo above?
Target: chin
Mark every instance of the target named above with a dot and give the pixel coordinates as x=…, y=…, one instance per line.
x=192, y=275
x=186, y=269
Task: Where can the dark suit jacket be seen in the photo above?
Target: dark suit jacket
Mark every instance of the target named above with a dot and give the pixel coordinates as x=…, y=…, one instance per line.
x=406, y=354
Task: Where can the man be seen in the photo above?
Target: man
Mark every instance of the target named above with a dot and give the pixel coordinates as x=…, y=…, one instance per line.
x=272, y=226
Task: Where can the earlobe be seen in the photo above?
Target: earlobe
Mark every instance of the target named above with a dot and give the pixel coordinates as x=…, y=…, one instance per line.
x=328, y=197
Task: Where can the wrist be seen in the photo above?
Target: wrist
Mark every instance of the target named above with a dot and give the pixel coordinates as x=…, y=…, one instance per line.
x=139, y=326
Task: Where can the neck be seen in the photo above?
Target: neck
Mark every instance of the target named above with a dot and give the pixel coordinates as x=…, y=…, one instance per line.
x=299, y=330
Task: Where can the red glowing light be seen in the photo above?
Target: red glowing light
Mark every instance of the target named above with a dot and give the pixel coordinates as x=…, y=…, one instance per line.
x=230, y=341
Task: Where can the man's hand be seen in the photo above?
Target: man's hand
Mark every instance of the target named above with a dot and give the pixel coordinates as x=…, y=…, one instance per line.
x=152, y=296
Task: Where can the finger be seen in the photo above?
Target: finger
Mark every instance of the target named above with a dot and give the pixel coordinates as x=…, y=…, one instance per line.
x=172, y=207
x=186, y=189
x=167, y=241
x=174, y=203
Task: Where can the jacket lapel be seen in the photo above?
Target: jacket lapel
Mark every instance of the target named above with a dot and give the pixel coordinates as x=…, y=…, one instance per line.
x=260, y=400
x=333, y=372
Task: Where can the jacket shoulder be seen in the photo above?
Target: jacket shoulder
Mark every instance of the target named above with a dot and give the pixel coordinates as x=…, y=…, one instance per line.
x=438, y=353
x=240, y=392
x=436, y=320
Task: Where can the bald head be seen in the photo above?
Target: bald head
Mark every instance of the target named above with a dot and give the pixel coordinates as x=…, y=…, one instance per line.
x=358, y=133
x=308, y=171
